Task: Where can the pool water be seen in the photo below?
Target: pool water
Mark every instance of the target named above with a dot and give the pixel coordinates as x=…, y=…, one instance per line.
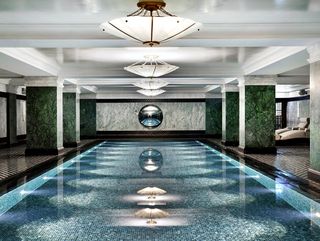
x=209, y=197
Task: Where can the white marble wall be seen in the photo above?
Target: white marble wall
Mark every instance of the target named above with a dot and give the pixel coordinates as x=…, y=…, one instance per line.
x=177, y=116
x=3, y=117
x=21, y=117
x=296, y=110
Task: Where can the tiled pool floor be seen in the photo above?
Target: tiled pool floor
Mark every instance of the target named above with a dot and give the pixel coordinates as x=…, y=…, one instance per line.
x=209, y=197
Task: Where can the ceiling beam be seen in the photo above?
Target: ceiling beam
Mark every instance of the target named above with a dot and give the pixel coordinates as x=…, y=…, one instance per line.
x=126, y=81
x=27, y=62
x=293, y=80
x=275, y=60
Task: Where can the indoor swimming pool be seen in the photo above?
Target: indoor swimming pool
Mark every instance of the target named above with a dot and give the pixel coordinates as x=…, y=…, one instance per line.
x=159, y=190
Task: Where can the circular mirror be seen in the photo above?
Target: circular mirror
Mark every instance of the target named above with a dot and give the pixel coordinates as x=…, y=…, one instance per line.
x=151, y=160
x=150, y=116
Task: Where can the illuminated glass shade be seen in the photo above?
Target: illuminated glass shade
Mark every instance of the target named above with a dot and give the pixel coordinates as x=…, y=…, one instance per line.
x=151, y=84
x=150, y=24
x=151, y=67
x=151, y=92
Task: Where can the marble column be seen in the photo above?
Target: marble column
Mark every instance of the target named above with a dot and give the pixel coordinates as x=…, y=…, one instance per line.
x=88, y=112
x=230, y=115
x=314, y=60
x=44, y=115
x=12, y=115
x=71, y=116
x=214, y=117
x=257, y=114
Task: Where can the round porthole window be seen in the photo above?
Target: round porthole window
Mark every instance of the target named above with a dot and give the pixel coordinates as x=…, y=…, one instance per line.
x=150, y=116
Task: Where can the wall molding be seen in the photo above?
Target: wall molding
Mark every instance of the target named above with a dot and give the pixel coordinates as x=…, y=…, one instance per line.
x=148, y=100
x=290, y=99
x=4, y=94
x=176, y=134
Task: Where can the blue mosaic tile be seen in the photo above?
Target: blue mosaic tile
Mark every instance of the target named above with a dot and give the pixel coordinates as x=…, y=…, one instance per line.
x=209, y=196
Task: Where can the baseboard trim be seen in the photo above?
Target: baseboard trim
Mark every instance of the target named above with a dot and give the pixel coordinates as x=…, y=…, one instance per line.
x=43, y=152
x=153, y=134
x=254, y=150
x=71, y=144
x=314, y=175
x=230, y=143
x=294, y=142
x=87, y=137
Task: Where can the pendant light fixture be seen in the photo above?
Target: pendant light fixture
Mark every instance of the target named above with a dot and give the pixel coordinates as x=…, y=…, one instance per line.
x=151, y=24
x=151, y=67
x=151, y=84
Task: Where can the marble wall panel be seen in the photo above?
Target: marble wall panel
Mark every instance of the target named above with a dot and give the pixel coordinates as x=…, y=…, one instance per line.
x=42, y=118
x=296, y=110
x=232, y=117
x=177, y=116
x=214, y=116
x=315, y=116
x=3, y=117
x=259, y=116
x=70, y=130
x=88, y=115
x=21, y=117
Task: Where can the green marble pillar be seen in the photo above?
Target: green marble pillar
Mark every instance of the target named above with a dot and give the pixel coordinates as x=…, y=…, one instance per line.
x=12, y=119
x=44, y=120
x=257, y=118
x=71, y=120
x=314, y=170
x=214, y=117
x=230, y=118
x=88, y=125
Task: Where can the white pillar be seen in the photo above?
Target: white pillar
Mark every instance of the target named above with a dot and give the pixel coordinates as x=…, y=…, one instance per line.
x=314, y=60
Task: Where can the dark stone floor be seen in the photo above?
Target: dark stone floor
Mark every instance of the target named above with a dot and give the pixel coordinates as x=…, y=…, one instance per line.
x=13, y=160
x=292, y=160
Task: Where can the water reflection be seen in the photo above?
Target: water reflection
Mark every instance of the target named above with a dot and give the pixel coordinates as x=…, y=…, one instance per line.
x=151, y=160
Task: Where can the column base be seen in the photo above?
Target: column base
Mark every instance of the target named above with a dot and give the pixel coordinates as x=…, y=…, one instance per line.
x=314, y=175
x=254, y=150
x=230, y=143
x=71, y=144
x=88, y=137
x=43, y=152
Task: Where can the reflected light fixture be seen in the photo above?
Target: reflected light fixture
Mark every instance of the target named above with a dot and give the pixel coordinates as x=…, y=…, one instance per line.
x=151, y=84
x=151, y=92
x=151, y=67
x=151, y=214
x=151, y=24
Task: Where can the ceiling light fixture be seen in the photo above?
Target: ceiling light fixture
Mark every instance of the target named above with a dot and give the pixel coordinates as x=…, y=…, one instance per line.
x=151, y=24
x=151, y=84
x=151, y=92
x=151, y=67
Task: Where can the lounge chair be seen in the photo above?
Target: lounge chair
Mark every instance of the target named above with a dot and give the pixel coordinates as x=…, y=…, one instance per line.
x=303, y=124
x=294, y=134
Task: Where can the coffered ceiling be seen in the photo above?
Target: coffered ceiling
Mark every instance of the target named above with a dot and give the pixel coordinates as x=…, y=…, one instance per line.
x=239, y=37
